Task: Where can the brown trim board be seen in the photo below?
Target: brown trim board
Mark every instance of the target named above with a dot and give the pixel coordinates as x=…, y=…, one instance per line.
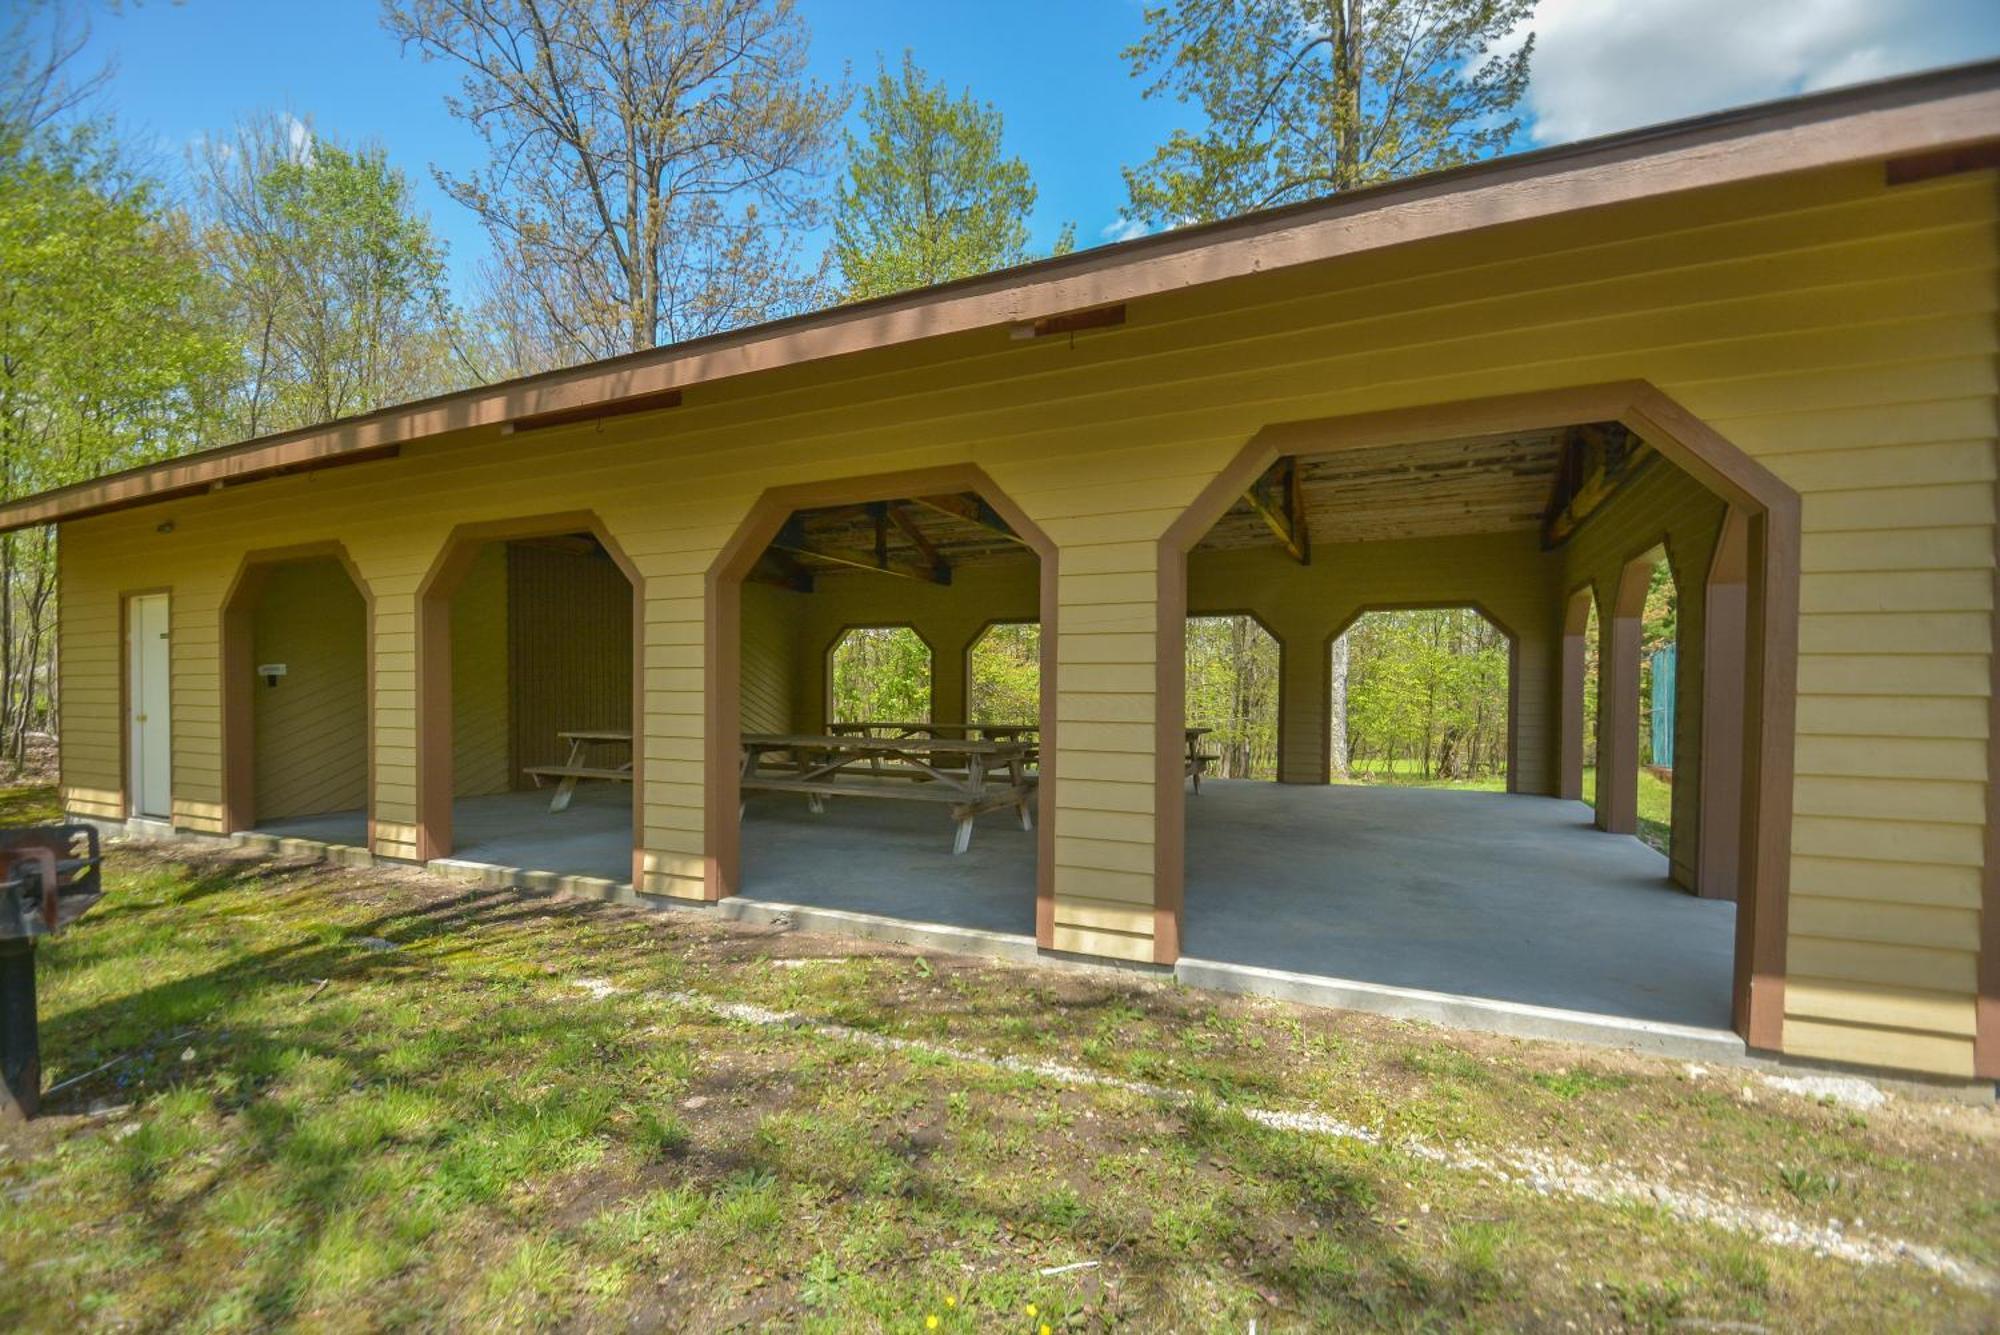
x=1916, y=114
x=722, y=658
x=1769, y=705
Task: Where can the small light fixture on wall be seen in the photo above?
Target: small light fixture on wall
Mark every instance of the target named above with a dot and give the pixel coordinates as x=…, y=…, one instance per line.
x=270, y=672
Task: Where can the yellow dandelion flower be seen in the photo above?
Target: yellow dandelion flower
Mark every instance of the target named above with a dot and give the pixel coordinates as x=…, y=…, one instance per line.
x=1032, y=1309
x=950, y=1301
x=931, y=1322
x=1045, y=1328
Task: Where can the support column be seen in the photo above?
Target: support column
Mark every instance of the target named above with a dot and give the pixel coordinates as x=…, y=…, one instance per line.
x=394, y=776
x=1570, y=759
x=1725, y=643
x=949, y=648
x=1109, y=677
x=1618, y=702
x=1303, y=702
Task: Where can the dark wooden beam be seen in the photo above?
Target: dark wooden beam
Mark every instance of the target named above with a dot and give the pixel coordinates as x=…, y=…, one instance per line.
x=1597, y=460
x=792, y=538
x=1944, y=162
x=591, y=412
x=1279, y=498
x=1071, y=322
x=973, y=510
x=899, y=515
x=777, y=568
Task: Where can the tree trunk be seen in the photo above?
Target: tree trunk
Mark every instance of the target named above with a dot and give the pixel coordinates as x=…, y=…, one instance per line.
x=1347, y=91
x=1336, y=708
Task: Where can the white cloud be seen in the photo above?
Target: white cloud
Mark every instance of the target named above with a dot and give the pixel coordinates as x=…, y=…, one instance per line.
x=1122, y=229
x=1606, y=65
x=299, y=136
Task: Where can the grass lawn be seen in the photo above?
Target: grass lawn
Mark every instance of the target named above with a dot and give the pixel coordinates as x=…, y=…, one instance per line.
x=364, y=1098
x=1656, y=795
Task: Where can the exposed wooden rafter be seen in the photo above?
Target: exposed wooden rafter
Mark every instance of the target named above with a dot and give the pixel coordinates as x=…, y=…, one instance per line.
x=1279, y=499
x=778, y=568
x=899, y=515
x=1596, y=460
x=793, y=539
x=972, y=509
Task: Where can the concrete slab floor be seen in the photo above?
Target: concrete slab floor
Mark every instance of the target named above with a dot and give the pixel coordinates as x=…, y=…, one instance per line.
x=1487, y=895
x=1483, y=894
x=347, y=828
x=867, y=855
x=592, y=838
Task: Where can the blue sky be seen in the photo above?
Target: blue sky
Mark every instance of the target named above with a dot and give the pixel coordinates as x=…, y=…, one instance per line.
x=1072, y=109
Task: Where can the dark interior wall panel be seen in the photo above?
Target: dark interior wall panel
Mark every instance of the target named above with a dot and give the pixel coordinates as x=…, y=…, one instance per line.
x=569, y=651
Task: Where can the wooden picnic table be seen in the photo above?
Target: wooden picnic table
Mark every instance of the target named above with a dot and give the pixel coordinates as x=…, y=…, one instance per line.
x=992, y=732
x=994, y=773
x=575, y=768
x=1197, y=762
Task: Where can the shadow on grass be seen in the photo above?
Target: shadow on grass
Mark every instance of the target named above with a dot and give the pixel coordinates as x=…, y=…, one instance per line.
x=389, y=1106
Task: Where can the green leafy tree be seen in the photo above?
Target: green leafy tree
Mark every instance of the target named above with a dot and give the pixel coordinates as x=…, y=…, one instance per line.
x=1232, y=690
x=1426, y=696
x=1302, y=98
x=928, y=195
x=881, y=674
x=1007, y=674
x=652, y=162
x=333, y=279
x=112, y=354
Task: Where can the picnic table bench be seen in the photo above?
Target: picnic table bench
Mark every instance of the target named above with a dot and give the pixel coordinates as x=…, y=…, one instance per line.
x=574, y=769
x=907, y=769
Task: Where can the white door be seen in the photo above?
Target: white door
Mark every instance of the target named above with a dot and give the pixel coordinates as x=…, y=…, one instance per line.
x=150, y=754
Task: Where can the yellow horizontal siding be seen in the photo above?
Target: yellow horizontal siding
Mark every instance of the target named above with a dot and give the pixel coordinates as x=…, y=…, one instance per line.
x=1840, y=331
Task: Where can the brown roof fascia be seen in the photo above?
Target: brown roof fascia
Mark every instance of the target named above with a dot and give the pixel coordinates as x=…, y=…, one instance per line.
x=1917, y=114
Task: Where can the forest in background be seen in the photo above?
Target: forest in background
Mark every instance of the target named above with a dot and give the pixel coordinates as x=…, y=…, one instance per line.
x=1426, y=688
x=656, y=170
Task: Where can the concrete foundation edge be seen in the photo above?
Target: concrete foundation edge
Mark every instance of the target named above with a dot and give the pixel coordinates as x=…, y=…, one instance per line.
x=1514, y=1019
x=1447, y=1010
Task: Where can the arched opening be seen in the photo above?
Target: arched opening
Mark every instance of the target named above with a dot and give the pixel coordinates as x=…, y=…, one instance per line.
x=858, y=776
x=1004, y=674
x=1427, y=699
x=530, y=671
x=1233, y=667
x=1484, y=502
x=297, y=687
x=879, y=674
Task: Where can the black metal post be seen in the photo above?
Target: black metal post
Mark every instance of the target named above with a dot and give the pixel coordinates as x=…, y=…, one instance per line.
x=20, y=1040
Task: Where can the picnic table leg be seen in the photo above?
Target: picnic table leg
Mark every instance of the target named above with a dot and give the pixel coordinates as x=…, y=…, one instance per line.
x=963, y=816
x=564, y=791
